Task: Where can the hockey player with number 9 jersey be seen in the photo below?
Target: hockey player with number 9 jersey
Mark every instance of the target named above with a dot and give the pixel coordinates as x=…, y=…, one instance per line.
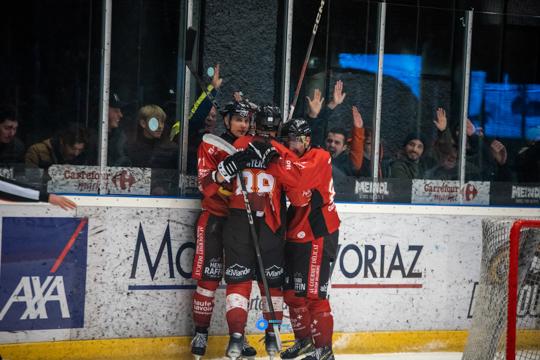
x=311, y=248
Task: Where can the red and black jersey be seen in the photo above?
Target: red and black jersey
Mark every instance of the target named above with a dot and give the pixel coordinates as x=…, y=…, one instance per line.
x=265, y=186
x=312, y=213
x=215, y=196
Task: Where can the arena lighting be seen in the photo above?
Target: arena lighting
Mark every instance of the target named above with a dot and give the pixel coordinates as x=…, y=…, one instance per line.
x=502, y=106
x=405, y=68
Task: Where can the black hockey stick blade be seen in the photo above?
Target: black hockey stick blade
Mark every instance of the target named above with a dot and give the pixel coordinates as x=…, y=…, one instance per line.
x=191, y=36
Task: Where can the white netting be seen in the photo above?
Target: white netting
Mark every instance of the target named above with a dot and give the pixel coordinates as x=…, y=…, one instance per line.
x=487, y=336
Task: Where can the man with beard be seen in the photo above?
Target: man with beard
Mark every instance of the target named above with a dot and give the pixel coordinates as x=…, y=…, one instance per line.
x=409, y=164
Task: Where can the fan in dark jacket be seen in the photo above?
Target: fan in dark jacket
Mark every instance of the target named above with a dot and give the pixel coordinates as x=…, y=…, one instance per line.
x=11, y=148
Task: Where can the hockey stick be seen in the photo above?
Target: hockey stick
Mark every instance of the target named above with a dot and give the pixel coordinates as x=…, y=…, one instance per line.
x=191, y=35
x=220, y=143
x=331, y=272
x=306, y=60
x=229, y=149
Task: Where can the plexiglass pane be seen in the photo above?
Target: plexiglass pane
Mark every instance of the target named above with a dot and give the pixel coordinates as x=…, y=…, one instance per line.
x=50, y=59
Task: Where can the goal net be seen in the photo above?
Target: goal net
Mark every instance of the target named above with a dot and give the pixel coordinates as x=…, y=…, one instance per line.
x=506, y=313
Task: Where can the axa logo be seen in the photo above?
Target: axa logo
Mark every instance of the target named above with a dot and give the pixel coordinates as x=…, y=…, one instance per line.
x=43, y=273
x=36, y=296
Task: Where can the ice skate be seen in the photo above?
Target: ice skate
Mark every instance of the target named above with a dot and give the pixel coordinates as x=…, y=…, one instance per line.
x=300, y=347
x=198, y=345
x=322, y=353
x=248, y=351
x=235, y=347
x=271, y=344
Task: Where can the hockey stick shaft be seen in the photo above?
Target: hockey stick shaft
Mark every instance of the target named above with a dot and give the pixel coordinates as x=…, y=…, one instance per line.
x=332, y=266
x=230, y=149
x=260, y=264
x=306, y=61
x=190, y=45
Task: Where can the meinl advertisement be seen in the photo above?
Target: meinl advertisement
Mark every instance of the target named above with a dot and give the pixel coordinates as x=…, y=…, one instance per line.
x=389, y=190
x=515, y=194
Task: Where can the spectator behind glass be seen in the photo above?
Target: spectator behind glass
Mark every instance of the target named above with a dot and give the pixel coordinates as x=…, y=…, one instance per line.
x=11, y=148
x=202, y=120
x=151, y=149
x=68, y=147
x=336, y=144
x=345, y=162
x=117, y=143
x=410, y=164
x=528, y=163
x=447, y=168
x=483, y=162
x=318, y=115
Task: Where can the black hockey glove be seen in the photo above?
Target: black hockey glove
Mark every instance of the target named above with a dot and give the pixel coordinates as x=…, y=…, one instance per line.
x=234, y=163
x=264, y=151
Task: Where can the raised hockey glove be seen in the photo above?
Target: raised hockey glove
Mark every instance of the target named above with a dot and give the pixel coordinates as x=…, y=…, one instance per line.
x=264, y=151
x=234, y=163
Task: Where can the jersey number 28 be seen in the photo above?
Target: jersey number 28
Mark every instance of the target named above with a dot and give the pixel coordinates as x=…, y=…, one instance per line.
x=259, y=182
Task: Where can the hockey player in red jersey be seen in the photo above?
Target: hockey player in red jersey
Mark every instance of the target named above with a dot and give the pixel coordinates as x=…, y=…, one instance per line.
x=312, y=240
x=264, y=180
x=208, y=257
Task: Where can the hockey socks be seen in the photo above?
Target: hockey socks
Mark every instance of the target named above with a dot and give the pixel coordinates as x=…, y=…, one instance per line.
x=322, y=322
x=203, y=303
x=237, y=306
x=277, y=301
x=299, y=315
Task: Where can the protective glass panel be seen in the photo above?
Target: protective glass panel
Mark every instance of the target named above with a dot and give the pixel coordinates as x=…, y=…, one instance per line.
x=142, y=109
x=49, y=70
x=337, y=93
x=504, y=107
x=422, y=93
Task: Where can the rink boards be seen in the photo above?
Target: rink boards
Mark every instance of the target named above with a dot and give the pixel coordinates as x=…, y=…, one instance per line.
x=108, y=271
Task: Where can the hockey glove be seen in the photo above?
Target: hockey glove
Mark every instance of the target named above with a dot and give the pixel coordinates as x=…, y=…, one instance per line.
x=264, y=151
x=234, y=163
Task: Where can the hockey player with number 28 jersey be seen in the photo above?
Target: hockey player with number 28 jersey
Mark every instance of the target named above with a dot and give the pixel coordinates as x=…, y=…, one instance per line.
x=264, y=180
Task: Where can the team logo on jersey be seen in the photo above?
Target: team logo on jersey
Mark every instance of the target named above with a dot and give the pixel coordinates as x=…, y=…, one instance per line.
x=288, y=164
x=301, y=235
x=273, y=272
x=237, y=271
x=43, y=273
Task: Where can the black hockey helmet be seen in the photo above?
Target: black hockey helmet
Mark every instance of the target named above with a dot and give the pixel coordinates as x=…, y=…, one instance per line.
x=241, y=109
x=268, y=118
x=296, y=127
